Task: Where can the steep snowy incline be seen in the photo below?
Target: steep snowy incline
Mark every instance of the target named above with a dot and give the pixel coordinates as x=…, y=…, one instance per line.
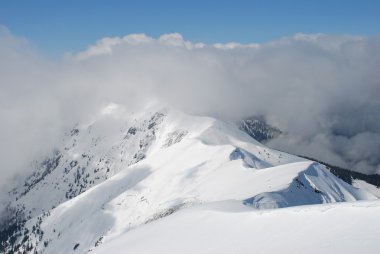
x=122, y=171
x=90, y=153
x=229, y=227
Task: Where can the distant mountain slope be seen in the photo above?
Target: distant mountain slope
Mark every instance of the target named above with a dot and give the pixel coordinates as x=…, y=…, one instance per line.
x=257, y=128
x=348, y=175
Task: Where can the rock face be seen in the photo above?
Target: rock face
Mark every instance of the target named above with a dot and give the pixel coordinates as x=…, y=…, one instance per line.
x=257, y=128
x=123, y=170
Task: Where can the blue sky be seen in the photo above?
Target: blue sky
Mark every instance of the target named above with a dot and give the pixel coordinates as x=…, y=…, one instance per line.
x=56, y=27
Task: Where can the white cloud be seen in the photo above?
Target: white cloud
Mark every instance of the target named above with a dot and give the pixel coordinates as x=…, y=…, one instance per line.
x=106, y=45
x=234, y=45
x=322, y=90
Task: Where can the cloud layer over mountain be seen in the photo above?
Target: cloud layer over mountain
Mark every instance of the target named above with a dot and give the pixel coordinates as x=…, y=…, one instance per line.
x=322, y=90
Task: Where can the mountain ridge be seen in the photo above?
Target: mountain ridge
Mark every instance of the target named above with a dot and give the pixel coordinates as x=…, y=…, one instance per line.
x=123, y=171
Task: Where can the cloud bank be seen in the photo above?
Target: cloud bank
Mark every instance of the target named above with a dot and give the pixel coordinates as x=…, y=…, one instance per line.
x=322, y=90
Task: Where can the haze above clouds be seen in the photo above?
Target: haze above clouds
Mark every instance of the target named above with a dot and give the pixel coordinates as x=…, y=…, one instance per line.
x=322, y=90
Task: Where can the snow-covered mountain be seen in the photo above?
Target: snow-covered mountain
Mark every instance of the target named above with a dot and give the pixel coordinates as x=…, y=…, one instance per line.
x=121, y=170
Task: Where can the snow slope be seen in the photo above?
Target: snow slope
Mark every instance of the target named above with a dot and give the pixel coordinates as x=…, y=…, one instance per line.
x=123, y=170
x=229, y=227
x=360, y=184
